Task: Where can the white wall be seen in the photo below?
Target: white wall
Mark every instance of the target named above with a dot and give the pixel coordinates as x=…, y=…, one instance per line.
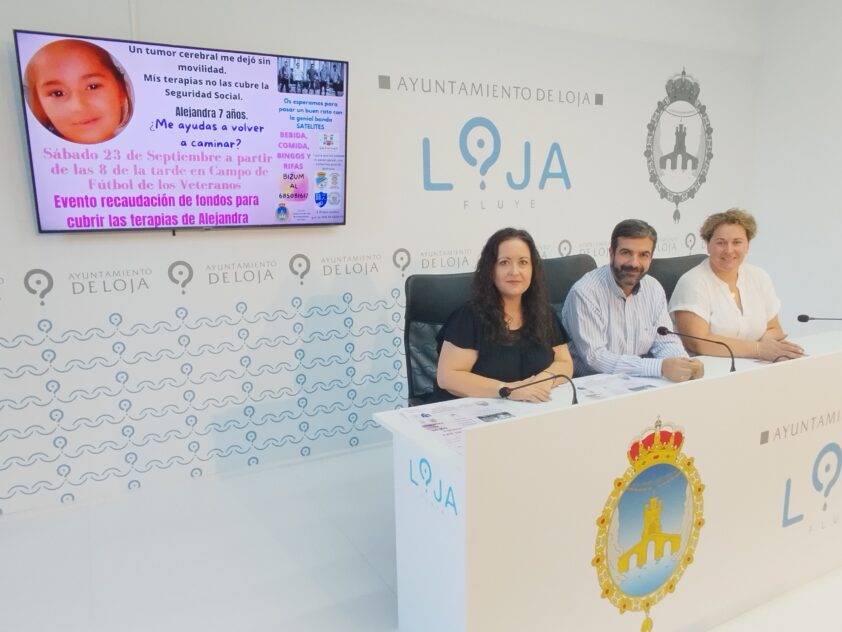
x=798, y=162
x=161, y=407
x=718, y=25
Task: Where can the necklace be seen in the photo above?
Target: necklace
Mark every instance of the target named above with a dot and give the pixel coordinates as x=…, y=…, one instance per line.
x=734, y=290
x=512, y=322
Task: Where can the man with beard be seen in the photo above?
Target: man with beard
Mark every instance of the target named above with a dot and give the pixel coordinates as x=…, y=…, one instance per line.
x=612, y=314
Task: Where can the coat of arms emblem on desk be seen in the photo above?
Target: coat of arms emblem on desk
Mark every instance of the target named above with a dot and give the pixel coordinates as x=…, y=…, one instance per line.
x=648, y=530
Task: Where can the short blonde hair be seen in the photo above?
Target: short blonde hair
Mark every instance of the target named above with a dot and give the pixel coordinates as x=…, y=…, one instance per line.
x=731, y=216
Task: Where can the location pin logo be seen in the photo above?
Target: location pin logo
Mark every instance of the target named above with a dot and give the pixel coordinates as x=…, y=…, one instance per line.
x=180, y=273
x=39, y=282
x=299, y=265
x=401, y=258
x=565, y=248
x=835, y=467
x=480, y=140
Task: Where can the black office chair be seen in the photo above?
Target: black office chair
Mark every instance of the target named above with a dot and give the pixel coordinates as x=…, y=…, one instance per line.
x=669, y=270
x=430, y=299
x=562, y=273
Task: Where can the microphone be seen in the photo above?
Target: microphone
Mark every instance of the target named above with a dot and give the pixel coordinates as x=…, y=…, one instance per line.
x=505, y=391
x=803, y=318
x=665, y=332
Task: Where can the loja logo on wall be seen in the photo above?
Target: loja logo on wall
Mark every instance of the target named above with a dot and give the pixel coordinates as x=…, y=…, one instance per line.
x=336, y=265
x=549, y=250
x=565, y=248
x=180, y=273
x=449, y=259
x=648, y=530
x=679, y=142
x=401, y=258
x=254, y=272
x=115, y=281
x=351, y=264
x=480, y=144
x=38, y=282
x=299, y=265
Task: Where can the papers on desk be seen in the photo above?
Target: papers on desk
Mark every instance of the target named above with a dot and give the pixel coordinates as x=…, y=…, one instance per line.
x=604, y=386
x=449, y=419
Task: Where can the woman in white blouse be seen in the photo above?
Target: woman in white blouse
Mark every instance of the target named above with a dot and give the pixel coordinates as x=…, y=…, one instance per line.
x=728, y=300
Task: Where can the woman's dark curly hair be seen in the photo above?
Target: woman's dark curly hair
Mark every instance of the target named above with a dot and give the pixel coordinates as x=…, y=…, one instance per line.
x=537, y=313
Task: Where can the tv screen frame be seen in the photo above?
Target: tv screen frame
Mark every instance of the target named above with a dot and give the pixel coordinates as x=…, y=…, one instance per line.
x=127, y=135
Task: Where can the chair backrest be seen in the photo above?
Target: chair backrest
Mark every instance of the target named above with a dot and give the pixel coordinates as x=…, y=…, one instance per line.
x=563, y=272
x=430, y=299
x=669, y=270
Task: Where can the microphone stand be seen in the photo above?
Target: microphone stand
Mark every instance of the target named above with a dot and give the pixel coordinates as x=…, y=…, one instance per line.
x=665, y=332
x=505, y=391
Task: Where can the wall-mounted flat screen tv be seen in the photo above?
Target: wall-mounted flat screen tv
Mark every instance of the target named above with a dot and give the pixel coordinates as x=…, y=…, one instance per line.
x=130, y=135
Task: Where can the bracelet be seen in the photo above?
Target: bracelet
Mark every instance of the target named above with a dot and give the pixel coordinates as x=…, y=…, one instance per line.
x=757, y=349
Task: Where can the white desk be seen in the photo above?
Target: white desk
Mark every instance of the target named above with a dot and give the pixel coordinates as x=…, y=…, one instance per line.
x=500, y=535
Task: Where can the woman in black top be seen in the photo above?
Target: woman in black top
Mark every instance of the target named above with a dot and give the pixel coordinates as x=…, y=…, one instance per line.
x=507, y=334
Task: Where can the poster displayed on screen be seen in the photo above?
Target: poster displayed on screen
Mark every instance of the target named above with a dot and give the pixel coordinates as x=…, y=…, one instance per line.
x=132, y=136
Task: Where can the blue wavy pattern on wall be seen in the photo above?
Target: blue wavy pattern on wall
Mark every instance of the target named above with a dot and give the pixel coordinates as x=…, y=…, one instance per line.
x=123, y=405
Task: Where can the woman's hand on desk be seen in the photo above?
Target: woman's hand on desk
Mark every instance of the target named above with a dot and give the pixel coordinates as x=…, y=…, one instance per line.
x=772, y=347
x=529, y=392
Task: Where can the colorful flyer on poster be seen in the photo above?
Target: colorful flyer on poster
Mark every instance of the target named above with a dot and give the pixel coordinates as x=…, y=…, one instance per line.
x=131, y=135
